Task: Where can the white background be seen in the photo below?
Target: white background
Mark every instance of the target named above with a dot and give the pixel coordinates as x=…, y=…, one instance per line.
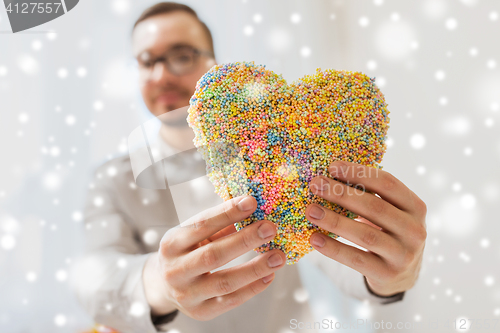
x=68, y=100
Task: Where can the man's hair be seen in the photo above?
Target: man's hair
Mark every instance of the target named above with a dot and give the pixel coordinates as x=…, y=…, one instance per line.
x=169, y=7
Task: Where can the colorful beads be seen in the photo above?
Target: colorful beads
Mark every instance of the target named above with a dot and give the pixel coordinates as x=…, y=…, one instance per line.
x=263, y=137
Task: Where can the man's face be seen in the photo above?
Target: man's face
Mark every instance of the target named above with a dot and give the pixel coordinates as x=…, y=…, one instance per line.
x=162, y=90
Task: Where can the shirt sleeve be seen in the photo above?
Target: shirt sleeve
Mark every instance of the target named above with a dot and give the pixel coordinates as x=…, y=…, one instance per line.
x=349, y=280
x=107, y=279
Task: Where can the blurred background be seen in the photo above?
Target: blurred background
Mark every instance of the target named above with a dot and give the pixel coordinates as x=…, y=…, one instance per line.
x=69, y=100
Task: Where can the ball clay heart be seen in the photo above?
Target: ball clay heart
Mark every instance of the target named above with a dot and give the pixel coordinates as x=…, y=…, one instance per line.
x=263, y=137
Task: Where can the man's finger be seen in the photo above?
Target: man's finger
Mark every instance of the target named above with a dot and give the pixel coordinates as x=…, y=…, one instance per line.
x=213, y=307
x=359, y=233
x=363, y=203
x=367, y=222
x=230, y=229
x=375, y=180
x=209, y=222
x=229, y=280
x=366, y=263
x=220, y=252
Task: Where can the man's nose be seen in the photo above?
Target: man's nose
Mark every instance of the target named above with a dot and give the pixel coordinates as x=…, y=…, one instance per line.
x=161, y=74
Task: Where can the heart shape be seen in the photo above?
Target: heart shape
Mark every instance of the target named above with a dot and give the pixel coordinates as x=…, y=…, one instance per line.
x=263, y=137
x=26, y=14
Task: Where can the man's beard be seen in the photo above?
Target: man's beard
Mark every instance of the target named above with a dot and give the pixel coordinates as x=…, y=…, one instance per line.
x=175, y=117
x=181, y=122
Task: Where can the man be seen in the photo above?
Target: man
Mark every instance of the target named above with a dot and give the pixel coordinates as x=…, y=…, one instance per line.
x=202, y=276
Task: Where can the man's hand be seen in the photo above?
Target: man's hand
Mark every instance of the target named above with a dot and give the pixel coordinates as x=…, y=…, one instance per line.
x=392, y=228
x=178, y=276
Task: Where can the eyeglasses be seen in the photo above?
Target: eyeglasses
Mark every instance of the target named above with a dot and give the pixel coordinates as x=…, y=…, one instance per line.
x=179, y=60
